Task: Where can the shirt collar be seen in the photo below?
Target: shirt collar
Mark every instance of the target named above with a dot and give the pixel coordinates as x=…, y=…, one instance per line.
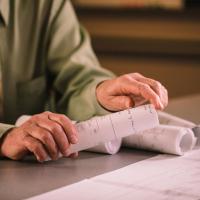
x=4, y=10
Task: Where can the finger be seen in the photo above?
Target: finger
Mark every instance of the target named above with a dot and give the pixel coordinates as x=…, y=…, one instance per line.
x=157, y=87
x=131, y=86
x=67, y=125
x=149, y=94
x=138, y=100
x=57, y=133
x=136, y=75
x=117, y=103
x=74, y=155
x=165, y=94
x=45, y=137
x=36, y=147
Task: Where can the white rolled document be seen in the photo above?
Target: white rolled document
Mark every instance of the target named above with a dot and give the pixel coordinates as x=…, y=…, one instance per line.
x=109, y=128
x=196, y=131
x=111, y=147
x=114, y=126
x=174, y=136
x=163, y=138
x=168, y=119
x=104, y=134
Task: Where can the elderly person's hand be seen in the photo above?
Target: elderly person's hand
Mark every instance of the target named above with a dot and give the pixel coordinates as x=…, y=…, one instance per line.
x=131, y=90
x=44, y=135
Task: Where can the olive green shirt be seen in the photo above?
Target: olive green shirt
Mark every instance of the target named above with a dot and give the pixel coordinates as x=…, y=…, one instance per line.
x=46, y=61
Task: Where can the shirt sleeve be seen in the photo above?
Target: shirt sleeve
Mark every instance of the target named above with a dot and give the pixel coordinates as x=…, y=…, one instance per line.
x=73, y=67
x=4, y=128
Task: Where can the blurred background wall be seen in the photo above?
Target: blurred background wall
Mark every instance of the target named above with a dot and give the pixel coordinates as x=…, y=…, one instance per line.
x=160, y=39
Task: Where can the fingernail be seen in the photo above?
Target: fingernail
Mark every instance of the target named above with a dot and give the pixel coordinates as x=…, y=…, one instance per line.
x=127, y=105
x=161, y=106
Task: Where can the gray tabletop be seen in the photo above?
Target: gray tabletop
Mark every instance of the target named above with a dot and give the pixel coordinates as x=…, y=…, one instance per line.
x=186, y=107
x=19, y=180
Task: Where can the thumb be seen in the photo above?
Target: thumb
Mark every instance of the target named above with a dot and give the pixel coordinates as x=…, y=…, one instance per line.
x=117, y=103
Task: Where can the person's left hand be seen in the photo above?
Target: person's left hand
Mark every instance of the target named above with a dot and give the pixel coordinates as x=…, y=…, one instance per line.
x=131, y=90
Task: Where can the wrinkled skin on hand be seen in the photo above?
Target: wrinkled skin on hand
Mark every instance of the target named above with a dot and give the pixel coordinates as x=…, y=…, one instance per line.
x=131, y=90
x=44, y=135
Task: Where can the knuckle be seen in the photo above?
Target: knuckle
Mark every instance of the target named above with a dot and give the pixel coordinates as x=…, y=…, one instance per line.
x=127, y=76
x=157, y=84
x=46, y=113
x=137, y=74
x=34, y=118
x=66, y=121
x=64, y=118
x=124, y=78
x=55, y=129
x=45, y=137
x=144, y=87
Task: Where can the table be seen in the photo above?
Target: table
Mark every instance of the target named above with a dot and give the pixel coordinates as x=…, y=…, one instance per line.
x=186, y=107
x=23, y=179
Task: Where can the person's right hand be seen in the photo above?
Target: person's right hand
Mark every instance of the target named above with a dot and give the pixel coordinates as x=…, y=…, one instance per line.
x=43, y=134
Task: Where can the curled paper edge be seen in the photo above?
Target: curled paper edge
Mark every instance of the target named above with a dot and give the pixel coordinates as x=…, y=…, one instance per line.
x=196, y=131
x=169, y=119
x=185, y=141
x=111, y=147
x=182, y=141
